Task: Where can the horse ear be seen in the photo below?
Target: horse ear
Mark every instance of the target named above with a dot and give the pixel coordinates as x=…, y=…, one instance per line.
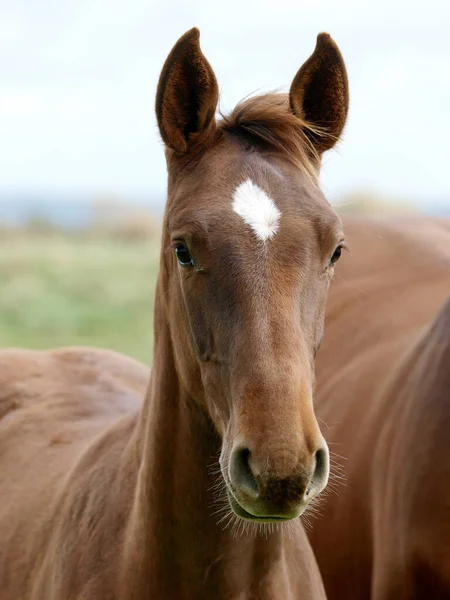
x=319, y=93
x=187, y=94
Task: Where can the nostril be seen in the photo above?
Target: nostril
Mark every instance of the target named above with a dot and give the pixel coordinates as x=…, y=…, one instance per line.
x=321, y=467
x=241, y=473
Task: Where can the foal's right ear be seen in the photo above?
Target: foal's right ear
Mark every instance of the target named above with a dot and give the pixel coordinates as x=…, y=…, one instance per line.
x=187, y=95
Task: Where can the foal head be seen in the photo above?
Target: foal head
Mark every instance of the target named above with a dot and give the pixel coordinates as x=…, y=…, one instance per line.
x=249, y=247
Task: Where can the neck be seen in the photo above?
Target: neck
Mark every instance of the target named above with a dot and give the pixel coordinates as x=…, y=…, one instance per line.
x=174, y=546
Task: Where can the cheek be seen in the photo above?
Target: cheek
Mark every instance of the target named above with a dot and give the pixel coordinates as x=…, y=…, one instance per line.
x=318, y=334
x=313, y=312
x=182, y=337
x=201, y=333
x=320, y=316
x=217, y=396
x=193, y=316
x=210, y=315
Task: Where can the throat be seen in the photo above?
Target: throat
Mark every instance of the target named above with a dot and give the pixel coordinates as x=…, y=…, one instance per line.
x=172, y=536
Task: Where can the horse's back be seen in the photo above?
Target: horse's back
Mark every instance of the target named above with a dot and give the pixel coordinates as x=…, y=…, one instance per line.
x=29, y=377
x=52, y=405
x=63, y=397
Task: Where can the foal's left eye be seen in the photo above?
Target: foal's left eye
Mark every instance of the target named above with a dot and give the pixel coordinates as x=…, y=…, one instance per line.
x=336, y=255
x=183, y=255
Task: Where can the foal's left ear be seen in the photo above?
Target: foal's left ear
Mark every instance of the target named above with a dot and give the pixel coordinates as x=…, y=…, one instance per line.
x=187, y=95
x=319, y=93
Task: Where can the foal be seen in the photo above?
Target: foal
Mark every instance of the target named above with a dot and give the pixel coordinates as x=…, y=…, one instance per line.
x=95, y=503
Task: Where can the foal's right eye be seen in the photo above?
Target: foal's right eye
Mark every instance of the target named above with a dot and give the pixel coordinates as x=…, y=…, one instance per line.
x=183, y=255
x=336, y=255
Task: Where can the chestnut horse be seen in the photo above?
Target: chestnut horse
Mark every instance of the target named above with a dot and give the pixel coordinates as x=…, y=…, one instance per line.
x=102, y=498
x=383, y=389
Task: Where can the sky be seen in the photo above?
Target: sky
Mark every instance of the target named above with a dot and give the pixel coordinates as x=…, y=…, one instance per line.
x=78, y=81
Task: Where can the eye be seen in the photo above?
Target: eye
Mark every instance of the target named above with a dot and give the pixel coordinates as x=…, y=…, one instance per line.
x=336, y=255
x=183, y=255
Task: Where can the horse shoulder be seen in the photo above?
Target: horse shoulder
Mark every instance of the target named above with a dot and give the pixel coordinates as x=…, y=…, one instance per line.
x=30, y=378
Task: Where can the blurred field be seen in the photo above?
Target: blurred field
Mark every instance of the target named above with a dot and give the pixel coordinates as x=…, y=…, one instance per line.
x=92, y=289
x=95, y=285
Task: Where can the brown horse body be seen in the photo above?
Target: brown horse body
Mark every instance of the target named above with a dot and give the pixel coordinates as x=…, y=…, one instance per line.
x=101, y=497
x=383, y=385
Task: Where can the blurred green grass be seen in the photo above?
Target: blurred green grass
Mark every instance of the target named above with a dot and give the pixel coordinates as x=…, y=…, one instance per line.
x=60, y=290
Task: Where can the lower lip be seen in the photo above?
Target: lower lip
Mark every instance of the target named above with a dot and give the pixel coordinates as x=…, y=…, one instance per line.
x=243, y=514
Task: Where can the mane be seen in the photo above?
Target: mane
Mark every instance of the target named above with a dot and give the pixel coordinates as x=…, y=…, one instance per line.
x=267, y=122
